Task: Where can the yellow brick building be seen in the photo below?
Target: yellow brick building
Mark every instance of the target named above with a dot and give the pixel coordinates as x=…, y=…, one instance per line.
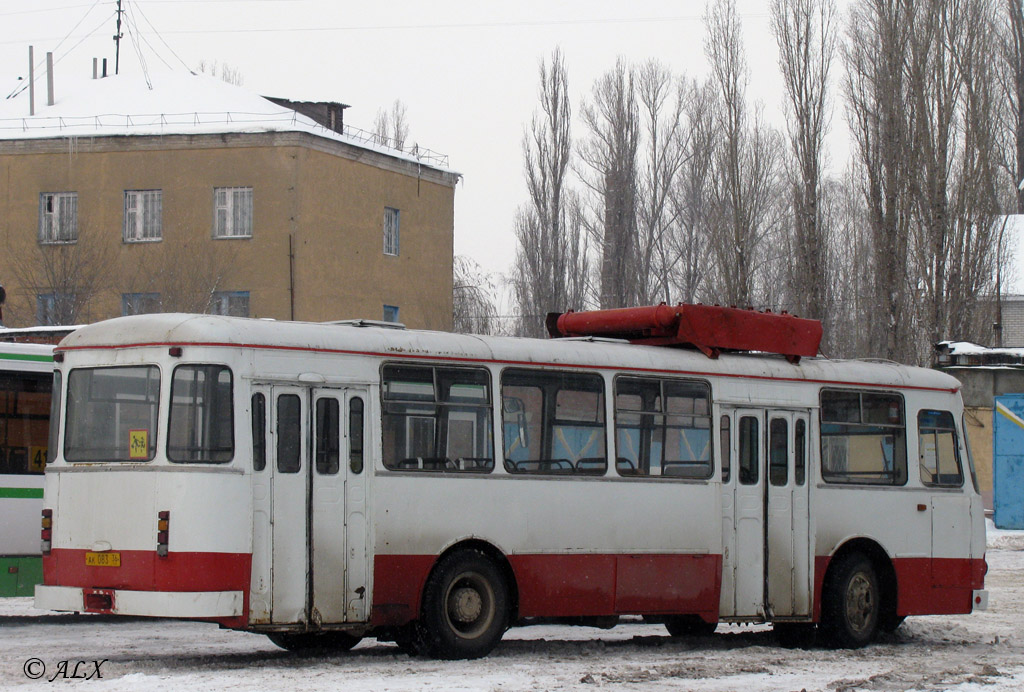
x=210, y=198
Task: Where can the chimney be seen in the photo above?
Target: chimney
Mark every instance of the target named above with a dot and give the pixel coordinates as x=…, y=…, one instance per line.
x=49, y=78
x=95, y=68
x=104, y=75
x=31, y=83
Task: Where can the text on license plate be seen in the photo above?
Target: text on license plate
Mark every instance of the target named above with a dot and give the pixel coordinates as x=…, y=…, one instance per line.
x=103, y=559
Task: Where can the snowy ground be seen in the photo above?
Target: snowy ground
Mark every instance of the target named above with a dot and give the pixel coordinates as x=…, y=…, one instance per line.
x=983, y=651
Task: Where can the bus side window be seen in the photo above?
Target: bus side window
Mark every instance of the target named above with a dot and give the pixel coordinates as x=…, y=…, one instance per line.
x=328, y=436
x=259, y=432
x=748, y=451
x=800, y=443
x=289, y=433
x=355, y=434
x=725, y=432
x=938, y=451
x=778, y=452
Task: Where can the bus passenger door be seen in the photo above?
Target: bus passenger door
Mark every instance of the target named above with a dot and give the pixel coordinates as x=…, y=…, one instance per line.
x=787, y=542
x=338, y=561
x=287, y=466
x=746, y=496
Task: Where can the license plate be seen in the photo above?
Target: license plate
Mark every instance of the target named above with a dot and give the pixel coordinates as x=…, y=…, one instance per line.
x=103, y=559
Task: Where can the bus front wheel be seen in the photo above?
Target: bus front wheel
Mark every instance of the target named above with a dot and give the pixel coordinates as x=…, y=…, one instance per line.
x=851, y=603
x=689, y=626
x=465, y=607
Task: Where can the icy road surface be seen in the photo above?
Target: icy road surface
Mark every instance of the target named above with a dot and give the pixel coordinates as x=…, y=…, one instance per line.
x=983, y=651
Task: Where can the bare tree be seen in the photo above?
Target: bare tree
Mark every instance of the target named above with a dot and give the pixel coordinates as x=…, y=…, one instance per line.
x=391, y=126
x=550, y=269
x=611, y=151
x=743, y=194
x=805, y=33
x=61, y=281
x=878, y=104
x=473, y=310
x=662, y=100
x=692, y=234
x=1013, y=52
x=227, y=73
x=181, y=278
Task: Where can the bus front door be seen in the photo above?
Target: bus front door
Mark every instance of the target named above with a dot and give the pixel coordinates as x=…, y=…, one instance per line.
x=766, y=571
x=309, y=506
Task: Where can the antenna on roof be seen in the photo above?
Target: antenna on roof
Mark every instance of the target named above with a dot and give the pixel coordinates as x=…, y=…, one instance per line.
x=117, y=39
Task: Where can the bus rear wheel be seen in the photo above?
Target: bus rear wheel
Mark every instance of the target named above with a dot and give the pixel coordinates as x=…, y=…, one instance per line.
x=314, y=641
x=851, y=603
x=465, y=607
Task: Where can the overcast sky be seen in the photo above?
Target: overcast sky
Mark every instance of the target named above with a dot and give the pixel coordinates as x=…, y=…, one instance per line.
x=467, y=71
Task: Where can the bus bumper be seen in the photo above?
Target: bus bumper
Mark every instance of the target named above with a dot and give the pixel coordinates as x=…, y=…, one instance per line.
x=166, y=604
x=979, y=599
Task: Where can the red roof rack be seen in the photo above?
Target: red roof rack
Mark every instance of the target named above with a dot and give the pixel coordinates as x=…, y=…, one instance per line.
x=710, y=328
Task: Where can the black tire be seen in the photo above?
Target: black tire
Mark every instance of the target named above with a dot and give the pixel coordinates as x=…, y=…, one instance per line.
x=689, y=626
x=465, y=608
x=794, y=635
x=851, y=604
x=314, y=641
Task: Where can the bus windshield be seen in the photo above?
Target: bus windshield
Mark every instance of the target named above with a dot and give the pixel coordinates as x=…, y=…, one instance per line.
x=112, y=414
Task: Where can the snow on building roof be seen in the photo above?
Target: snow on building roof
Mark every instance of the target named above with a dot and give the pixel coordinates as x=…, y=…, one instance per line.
x=167, y=102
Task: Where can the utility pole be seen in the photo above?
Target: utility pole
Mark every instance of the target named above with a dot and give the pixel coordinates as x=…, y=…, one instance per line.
x=117, y=39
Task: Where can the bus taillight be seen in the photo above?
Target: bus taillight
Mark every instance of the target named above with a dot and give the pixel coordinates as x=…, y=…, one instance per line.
x=163, y=524
x=47, y=532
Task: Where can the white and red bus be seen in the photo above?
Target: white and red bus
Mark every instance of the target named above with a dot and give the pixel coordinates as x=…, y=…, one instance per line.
x=322, y=483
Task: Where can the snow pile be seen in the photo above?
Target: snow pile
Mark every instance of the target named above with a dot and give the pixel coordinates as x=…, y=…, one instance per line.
x=1002, y=539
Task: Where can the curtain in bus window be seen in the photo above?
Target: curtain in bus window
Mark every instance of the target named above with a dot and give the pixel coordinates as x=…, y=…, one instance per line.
x=663, y=427
x=437, y=419
x=553, y=422
x=112, y=414
x=863, y=438
x=938, y=450
x=24, y=411
x=201, y=426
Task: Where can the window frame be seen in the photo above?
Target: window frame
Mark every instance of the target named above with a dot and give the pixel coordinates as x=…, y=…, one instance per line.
x=899, y=474
x=436, y=463
x=665, y=415
x=230, y=418
x=50, y=231
x=936, y=431
x=137, y=212
x=392, y=231
x=548, y=466
x=228, y=206
x=157, y=407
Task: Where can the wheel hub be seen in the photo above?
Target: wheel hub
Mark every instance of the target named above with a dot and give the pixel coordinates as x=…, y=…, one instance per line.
x=465, y=605
x=860, y=602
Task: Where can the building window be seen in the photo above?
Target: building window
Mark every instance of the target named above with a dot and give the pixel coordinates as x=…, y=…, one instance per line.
x=233, y=303
x=143, y=211
x=55, y=308
x=58, y=217
x=140, y=303
x=390, y=231
x=232, y=208
x=390, y=313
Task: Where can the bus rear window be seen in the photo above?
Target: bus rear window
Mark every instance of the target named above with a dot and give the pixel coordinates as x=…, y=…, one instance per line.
x=112, y=414
x=24, y=410
x=201, y=429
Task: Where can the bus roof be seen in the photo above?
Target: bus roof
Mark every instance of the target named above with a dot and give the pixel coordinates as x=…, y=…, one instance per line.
x=171, y=329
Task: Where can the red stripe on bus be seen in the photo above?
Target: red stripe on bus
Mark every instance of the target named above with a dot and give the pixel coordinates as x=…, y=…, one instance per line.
x=569, y=585
x=924, y=585
x=144, y=570
x=527, y=363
